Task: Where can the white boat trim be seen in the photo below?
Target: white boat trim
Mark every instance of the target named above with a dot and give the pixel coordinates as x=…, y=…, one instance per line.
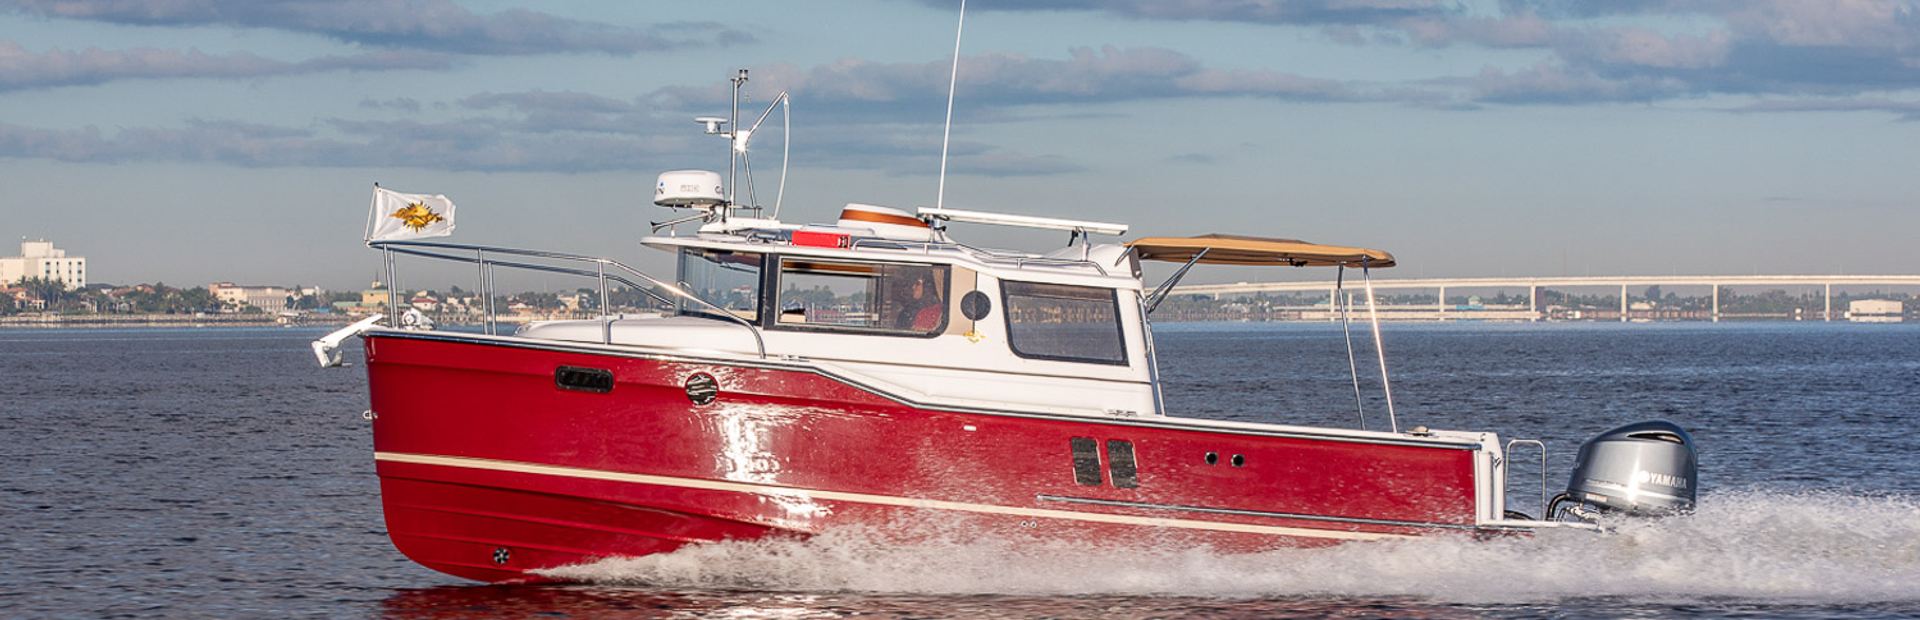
x=867, y=498
x=1092, y=501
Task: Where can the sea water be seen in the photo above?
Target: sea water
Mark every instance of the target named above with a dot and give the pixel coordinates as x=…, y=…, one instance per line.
x=194, y=473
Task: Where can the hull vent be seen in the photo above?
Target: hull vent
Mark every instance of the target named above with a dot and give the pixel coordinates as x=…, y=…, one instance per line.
x=577, y=379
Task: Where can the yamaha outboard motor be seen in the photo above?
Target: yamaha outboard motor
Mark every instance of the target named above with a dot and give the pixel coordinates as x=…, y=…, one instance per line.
x=1641, y=469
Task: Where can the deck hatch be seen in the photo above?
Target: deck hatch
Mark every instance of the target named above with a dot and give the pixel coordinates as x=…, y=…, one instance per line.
x=1120, y=464
x=579, y=379
x=1086, y=461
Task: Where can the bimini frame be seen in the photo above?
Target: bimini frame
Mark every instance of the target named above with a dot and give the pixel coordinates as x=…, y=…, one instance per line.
x=1217, y=249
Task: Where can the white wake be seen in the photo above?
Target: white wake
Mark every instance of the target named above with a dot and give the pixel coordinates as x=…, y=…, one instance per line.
x=1801, y=547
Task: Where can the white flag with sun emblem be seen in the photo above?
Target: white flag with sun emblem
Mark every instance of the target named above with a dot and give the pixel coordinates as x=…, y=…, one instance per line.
x=396, y=216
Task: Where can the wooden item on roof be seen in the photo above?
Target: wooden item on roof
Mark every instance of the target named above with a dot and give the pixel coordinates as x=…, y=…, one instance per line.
x=1245, y=250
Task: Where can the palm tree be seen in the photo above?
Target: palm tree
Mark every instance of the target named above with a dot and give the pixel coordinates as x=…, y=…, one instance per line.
x=48, y=291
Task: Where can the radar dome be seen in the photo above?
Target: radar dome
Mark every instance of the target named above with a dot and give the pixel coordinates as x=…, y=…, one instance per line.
x=689, y=188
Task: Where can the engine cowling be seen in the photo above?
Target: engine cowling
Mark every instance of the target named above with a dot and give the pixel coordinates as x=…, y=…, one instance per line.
x=1644, y=468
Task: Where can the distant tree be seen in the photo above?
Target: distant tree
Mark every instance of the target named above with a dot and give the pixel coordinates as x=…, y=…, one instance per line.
x=87, y=300
x=539, y=300
x=198, y=299
x=50, y=291
x=633, y=298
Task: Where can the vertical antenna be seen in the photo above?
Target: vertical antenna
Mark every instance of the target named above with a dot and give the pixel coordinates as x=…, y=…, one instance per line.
x=940, y=198
x=733, y=120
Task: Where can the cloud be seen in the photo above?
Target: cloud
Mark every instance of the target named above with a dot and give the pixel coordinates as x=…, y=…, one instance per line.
x=464, y=145
x=1552, y=83
x=1905, y=110
x=869, y=115
x=1507, y=31
x=1307, y=12
x=1086, y=76
x=1798, y=23
x=1594, y=52
x=1646, y=49
x=403, y=104
x=1744, y=47
x=545, y=112
x=855, y=114
x=21, y=69
x=915, y=150
x=432, y=25
x=514, y=142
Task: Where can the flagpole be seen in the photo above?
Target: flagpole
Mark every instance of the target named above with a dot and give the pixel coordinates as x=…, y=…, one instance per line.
x=393, y=303
x=371, y=208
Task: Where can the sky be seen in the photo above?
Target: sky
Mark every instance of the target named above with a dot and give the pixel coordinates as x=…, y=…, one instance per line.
x=193, y=141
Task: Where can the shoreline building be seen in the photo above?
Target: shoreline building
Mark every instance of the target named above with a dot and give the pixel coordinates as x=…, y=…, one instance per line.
x=1876, y=311
x=372, y=300
x=39, y=259
x=269, y=299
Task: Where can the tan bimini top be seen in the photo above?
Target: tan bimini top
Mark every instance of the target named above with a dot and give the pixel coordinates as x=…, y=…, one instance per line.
x=1244, y=250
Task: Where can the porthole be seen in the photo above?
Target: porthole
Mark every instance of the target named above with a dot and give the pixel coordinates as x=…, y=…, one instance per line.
x=975, y=305
x=702, y=388
x=1213, y=458
x=1239, y=460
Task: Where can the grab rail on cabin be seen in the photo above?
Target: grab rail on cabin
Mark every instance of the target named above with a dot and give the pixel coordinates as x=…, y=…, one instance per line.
x=599, y=272
x=985, y=255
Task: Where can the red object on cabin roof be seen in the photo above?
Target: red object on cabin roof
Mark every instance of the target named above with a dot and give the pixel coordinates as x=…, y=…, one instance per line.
x=820, y=239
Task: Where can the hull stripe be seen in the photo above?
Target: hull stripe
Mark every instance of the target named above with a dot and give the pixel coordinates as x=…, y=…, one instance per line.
x=866, y=498
x=1253, y=513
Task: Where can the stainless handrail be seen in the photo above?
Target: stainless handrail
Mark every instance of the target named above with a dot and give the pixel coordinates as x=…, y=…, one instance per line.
x=983, y=254
x=389, y=248
x=1508, y=469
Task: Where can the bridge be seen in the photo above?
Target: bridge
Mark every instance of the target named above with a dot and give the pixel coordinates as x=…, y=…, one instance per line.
x=1534, y=284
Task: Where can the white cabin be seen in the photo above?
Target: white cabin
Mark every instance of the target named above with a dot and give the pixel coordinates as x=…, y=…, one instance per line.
x=937, y=322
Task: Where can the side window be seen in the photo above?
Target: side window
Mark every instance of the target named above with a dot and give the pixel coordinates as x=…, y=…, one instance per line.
x=877, y=298
x=1061, y=322
x=729, y=280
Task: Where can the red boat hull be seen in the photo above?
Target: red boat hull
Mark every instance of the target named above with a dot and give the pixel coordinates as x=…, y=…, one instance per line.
x=491, y=468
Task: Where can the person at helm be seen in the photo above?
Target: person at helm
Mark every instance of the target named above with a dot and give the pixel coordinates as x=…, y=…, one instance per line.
x=920, y=308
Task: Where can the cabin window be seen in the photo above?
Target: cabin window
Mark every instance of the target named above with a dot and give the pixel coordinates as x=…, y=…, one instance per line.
x=728, y=280
x=872, y=298
x=1062, y=322
x=1086, y=461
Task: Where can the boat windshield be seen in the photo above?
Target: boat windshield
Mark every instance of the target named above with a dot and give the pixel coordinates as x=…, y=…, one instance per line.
x=729, y=280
